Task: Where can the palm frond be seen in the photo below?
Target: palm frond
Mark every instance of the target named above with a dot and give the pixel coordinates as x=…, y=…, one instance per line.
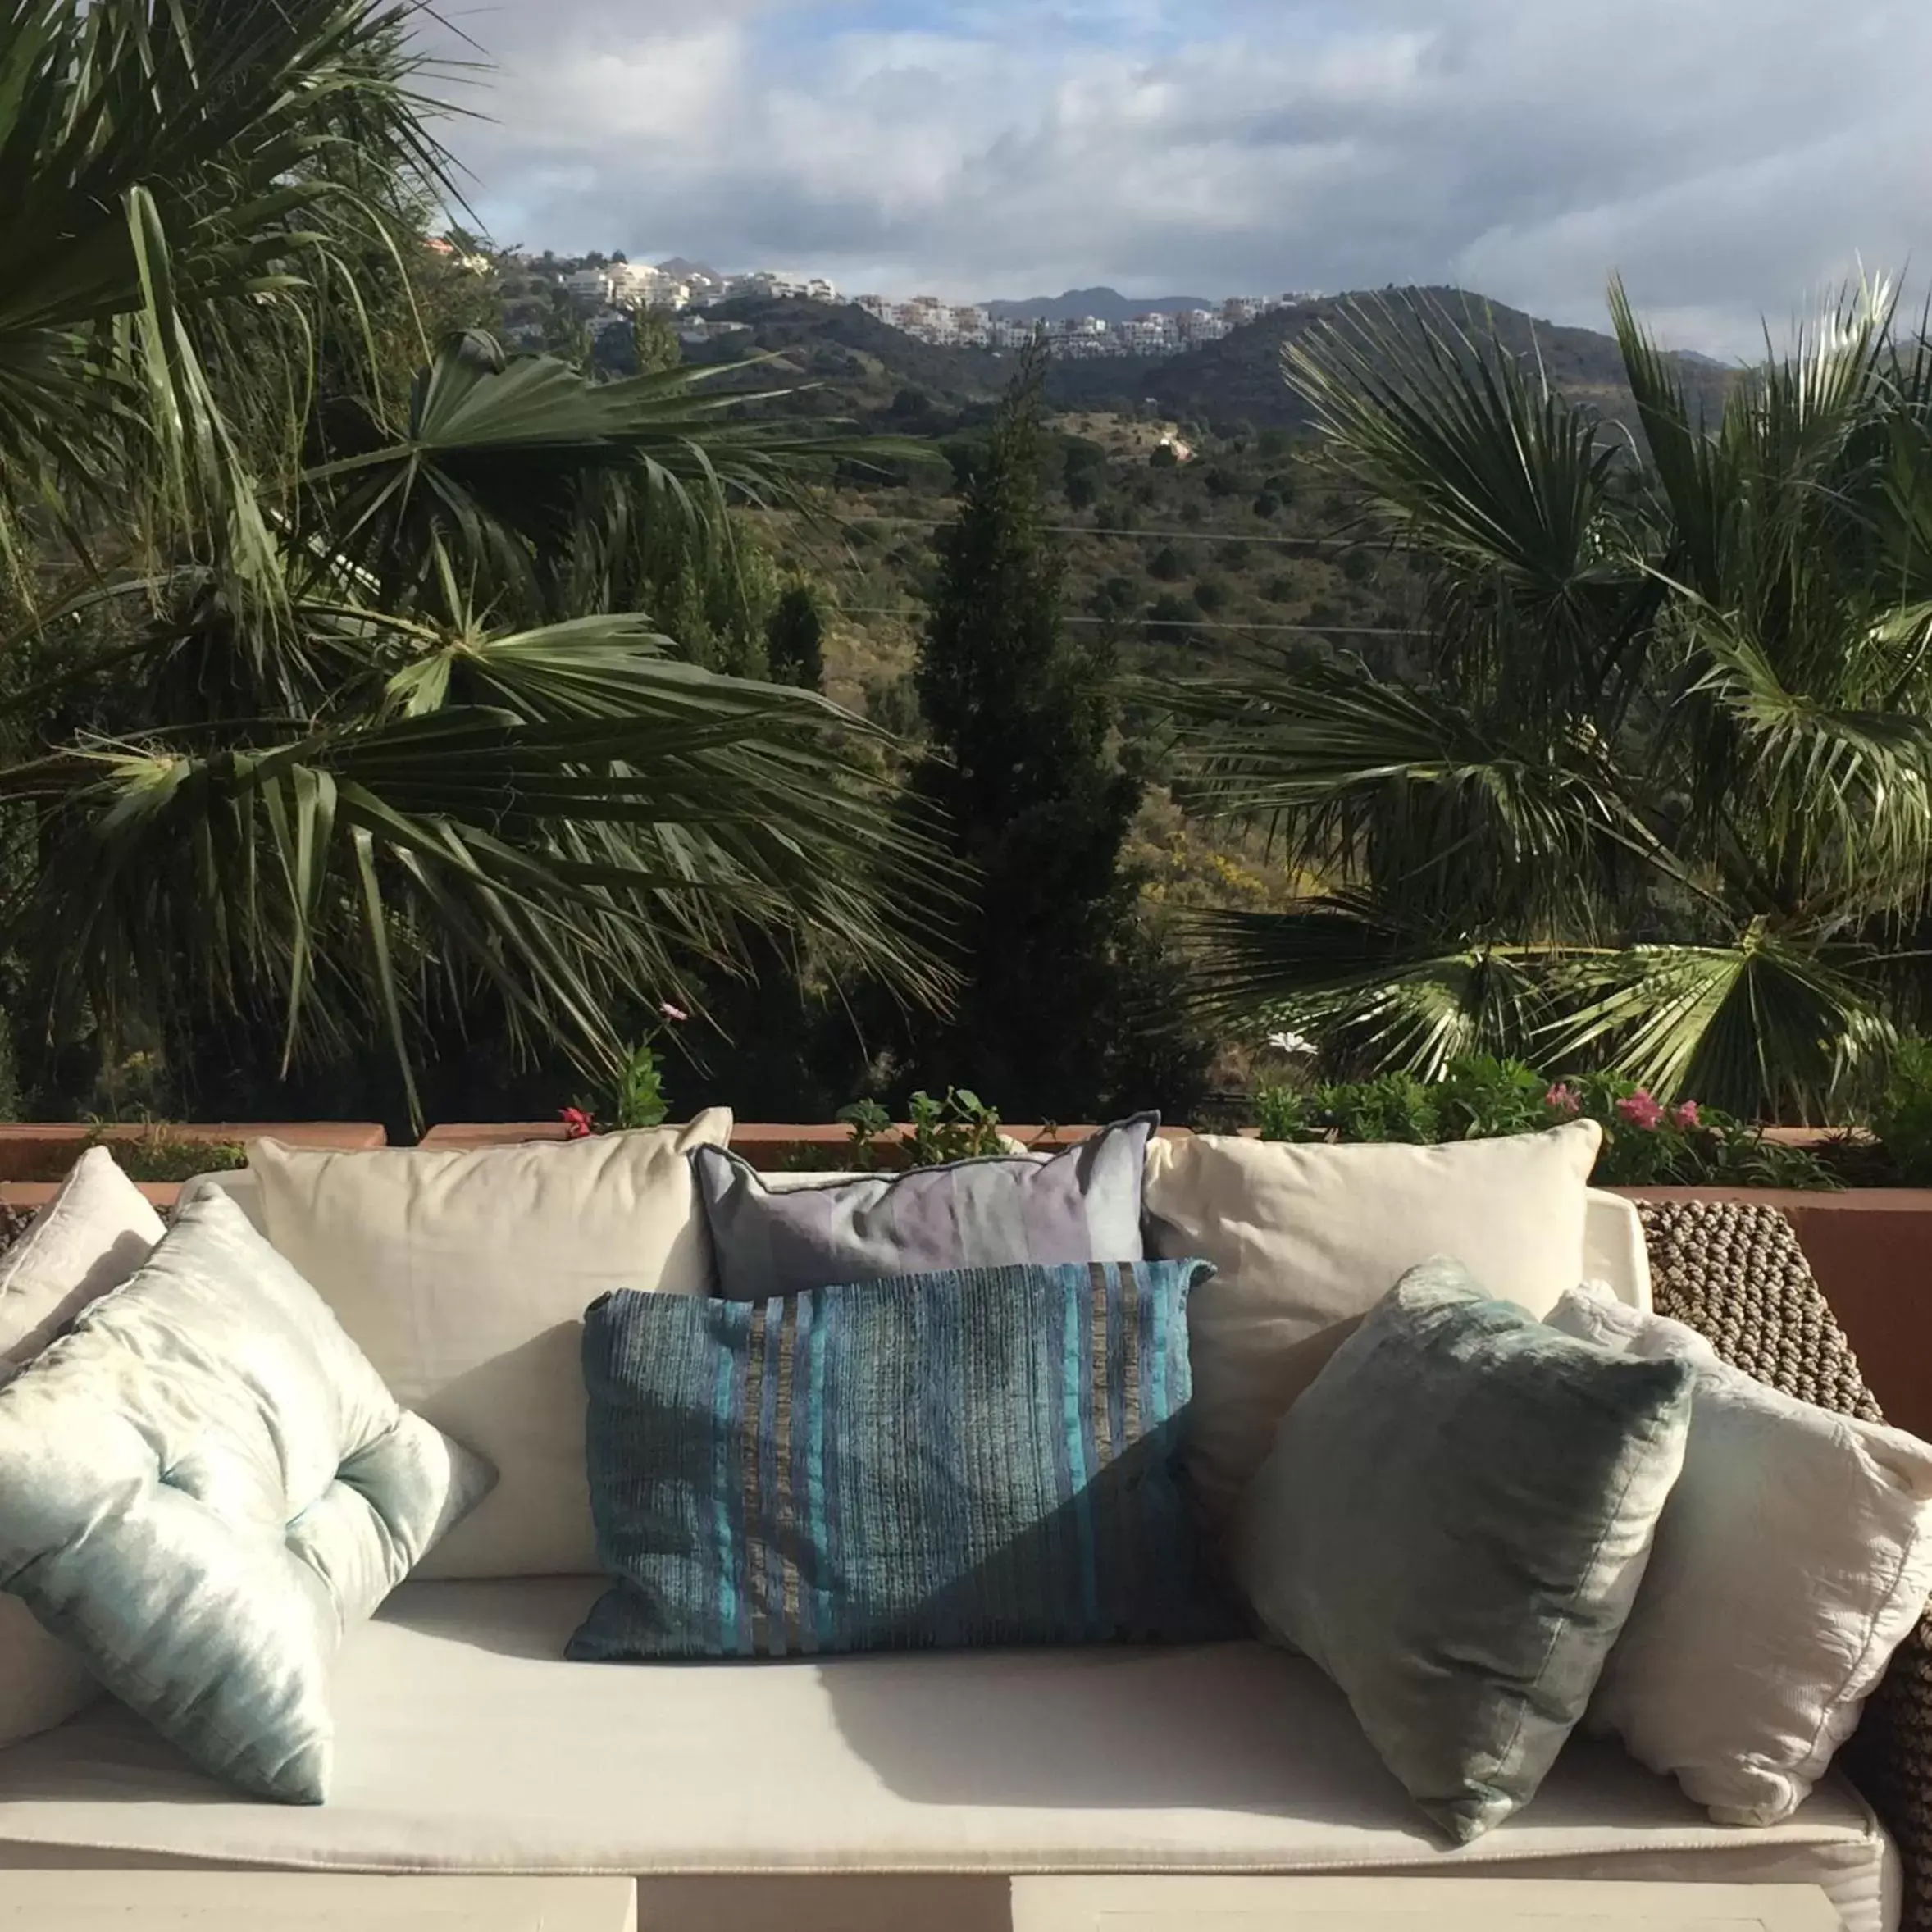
x=1768, y=1024
x=501, y=464
x=1377, y=993
x=164, y=168
x=1491, y=821
x=562, y=863
x=1476, y=465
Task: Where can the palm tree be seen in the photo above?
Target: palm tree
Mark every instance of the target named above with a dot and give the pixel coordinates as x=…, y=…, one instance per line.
x=1658, y=796
x=329, y=702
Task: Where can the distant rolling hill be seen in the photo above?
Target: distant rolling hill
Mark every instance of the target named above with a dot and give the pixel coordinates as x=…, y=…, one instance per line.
x=1239, y=378
x=866, y=368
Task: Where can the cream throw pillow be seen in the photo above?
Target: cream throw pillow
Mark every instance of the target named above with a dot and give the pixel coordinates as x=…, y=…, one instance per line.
x=1303, y=1236
x=90, y=1237
x=87, y=1241
x=463, y=1277
x=1792, y=1558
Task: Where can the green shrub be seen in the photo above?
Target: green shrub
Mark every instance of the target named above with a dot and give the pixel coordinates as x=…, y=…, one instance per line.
x=1644, y=1143
x=1393, y=1107
x=1285, y=1113
x=1169, y=617
x=158, y=1155
x=1113, y=598
x=1903, y=1120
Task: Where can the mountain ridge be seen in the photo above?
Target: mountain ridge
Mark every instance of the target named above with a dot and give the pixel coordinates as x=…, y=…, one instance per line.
x=1107, y=305
x=861, y=364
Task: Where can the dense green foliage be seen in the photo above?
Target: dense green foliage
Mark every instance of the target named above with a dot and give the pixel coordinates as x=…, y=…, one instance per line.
x=1659, y=800
x=355, y=700
x=1903, y=1120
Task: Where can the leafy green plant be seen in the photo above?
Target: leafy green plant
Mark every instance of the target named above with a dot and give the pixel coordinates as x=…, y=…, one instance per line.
x=1903, y=1120
x=957, y=1126
x=638, y=1097
x=866, y=1122
x=1286, y=1114
x=1481, y=1097
x=1393, y=1107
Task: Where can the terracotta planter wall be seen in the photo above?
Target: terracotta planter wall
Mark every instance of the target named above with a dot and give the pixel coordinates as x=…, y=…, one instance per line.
x=770, y=1146
x=34, y=1155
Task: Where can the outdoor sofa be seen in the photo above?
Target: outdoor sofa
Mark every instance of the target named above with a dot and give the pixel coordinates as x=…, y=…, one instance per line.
x=859, y=1794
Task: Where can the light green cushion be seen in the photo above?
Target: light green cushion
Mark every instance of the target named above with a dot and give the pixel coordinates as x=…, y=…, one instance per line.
x=203, y=1485
x=1453, y=1523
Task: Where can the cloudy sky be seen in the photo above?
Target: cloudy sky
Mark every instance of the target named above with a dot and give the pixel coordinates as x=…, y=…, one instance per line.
x=1730, y=157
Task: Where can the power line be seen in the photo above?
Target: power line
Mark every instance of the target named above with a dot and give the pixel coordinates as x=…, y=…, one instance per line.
x=850, y=610
x=1204, y=536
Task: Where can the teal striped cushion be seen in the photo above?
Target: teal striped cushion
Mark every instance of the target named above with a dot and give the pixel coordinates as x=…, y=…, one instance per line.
x=977, y=1457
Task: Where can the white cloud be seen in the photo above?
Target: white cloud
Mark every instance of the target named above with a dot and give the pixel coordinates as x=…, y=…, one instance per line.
x=1729, y=156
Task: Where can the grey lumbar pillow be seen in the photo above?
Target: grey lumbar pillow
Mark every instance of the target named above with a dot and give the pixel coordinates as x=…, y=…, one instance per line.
x=1081, y=1205
x=1453, y=1523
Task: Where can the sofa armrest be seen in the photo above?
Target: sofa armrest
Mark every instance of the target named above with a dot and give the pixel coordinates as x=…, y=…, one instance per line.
x=1736, y=1274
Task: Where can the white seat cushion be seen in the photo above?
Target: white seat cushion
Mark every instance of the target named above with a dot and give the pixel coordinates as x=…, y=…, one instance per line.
x=464, y=1745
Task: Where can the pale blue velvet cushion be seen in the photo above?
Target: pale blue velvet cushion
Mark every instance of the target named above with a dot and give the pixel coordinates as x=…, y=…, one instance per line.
x=203, y=1485
x=1453, y=1523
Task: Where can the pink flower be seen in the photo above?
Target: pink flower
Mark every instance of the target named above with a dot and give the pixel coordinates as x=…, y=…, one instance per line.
x=1563, y=1098
x=577, y=1124
x=1685, y=1117
x=676, y=1014
x=1641, y=1110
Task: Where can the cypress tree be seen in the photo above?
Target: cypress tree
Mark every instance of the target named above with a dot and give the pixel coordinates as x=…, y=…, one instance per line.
x=795, y=638
x=1021, y=729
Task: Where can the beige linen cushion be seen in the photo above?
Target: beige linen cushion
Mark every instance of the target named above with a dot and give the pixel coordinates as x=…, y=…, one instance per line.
x=463, y=1277
x=1303, y=1236
x=92, y=1237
